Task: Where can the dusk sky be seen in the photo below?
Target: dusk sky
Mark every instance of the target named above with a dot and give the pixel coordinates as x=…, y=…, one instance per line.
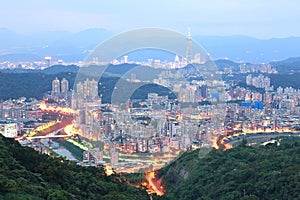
x=256, y=18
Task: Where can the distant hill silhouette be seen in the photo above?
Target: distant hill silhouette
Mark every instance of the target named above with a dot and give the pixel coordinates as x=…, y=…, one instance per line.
x=222, y=64
x=247, y=49
x=289, y=65
x=76, y=46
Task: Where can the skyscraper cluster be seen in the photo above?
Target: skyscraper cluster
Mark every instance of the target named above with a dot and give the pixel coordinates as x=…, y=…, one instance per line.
x=60, y=86
x=86, y=91
x=259, y=81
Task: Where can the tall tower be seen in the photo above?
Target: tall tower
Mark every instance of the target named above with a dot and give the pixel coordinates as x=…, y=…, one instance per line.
x=189, y=47
x=56, y=85
x=125, y=59
x=64, y=85
x=48, y=61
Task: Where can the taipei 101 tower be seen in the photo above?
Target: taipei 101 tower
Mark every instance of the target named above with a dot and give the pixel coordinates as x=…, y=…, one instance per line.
x=189, y=47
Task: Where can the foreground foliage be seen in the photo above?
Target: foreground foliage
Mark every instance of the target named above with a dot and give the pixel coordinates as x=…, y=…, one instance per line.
x=26, y=174
x=271, y=172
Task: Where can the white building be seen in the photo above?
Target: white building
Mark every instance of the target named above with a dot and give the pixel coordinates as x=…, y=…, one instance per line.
x=56, y=85
x=9, y=130
x=64, y=85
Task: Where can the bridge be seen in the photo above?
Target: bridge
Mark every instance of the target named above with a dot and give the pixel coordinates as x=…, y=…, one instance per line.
x=53, y=129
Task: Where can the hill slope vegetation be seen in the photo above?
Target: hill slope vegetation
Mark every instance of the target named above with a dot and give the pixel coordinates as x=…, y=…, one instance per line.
x=27, y=175
x=271, y=172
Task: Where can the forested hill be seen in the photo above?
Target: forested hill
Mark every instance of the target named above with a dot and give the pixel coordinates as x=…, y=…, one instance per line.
x=28, y=175
x=271, y=172
x=16, y=85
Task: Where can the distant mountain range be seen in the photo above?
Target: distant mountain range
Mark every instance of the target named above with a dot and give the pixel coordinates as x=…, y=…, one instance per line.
x=57, y=44
x=76, y=46
x=287, y=66
x=247, y=49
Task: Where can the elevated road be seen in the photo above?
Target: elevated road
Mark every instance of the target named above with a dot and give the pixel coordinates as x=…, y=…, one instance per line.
x=258, y=137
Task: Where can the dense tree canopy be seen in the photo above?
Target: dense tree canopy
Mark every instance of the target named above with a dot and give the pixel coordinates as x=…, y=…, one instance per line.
x=271, y=172
x=16, y=85
x=265, y=172
x=26, y=174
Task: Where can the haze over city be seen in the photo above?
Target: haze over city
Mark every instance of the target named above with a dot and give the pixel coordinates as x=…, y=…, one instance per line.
x=260, y=19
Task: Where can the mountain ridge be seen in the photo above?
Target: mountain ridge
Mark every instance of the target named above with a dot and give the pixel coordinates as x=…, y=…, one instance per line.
x=75, y=46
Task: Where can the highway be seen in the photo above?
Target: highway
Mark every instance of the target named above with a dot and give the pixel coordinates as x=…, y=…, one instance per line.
x=154, y=186
x=258, y=137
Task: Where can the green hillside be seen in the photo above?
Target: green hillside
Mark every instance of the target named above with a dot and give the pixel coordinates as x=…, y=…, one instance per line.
x=28, y=175
x=271, y=172
x=265, y=172
x=16, y=85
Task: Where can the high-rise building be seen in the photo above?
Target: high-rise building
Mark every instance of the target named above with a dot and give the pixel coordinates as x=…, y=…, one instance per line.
x=187, y=95
x=189, y=47
x=125, y=59
x=9, y=130
x=64, y=85
x=259, y=81
x=79, y=89
x=114, y=156
x=56, y=85
x=203, y=91
x=48, y=61
x=176, y=63
x=88, y=89
x=243, y=68
x=249, y=79
x=197, y=58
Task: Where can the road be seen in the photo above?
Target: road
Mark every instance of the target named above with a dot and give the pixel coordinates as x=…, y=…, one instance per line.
x=154, y=186
x=260, y=137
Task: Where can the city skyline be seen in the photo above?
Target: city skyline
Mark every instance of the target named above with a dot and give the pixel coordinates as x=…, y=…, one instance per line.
x=150, y=99
x=268, y=19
